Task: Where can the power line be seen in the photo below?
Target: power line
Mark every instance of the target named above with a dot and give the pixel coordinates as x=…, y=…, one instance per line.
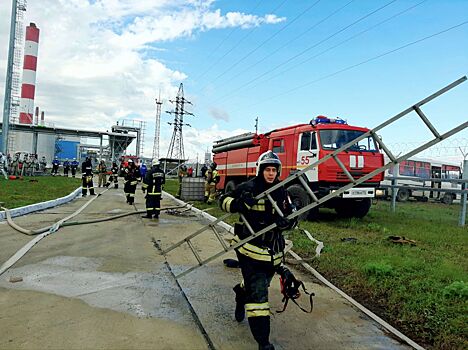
x=222, y=42
x=328, y=49
x=362, y=62
x=239, y=42
x=267, y=40
x=310, y=48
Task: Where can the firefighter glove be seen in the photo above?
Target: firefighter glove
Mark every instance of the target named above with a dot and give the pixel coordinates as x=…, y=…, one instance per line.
x=284, y=223
x=246, y=201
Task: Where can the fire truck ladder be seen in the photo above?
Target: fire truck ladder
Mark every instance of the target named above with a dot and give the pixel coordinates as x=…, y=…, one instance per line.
x=299, y=176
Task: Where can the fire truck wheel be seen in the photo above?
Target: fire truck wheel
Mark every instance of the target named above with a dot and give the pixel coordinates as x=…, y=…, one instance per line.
x=361, y=207
x=230, y=186
x=447, y=199
x=403, y=195
x=300, y=199
x=357, y=208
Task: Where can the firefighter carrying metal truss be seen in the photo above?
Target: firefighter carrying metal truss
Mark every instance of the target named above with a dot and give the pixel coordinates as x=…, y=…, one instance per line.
x=299, y=178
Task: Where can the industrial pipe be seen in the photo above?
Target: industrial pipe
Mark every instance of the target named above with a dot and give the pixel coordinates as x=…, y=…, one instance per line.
x=236, y=145
x=233, y=139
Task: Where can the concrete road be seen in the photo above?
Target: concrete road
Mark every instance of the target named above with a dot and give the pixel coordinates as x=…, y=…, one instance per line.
x=106, y=286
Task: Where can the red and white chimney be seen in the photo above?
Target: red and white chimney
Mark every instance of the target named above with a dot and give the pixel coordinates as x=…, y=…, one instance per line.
x=29, y=74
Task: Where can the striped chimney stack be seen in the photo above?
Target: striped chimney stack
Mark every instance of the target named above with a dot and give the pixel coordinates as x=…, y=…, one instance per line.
x=29, y=74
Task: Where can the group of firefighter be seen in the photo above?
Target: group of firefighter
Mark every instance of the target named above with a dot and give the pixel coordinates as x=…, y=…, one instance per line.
x=152, y=182
x=259, y=259
x=21, y=164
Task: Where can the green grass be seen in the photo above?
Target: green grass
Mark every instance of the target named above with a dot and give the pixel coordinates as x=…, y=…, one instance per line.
x=422, y=290
x=29, y=190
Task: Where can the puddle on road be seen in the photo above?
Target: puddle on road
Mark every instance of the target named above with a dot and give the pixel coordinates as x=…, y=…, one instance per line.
x=142, y=294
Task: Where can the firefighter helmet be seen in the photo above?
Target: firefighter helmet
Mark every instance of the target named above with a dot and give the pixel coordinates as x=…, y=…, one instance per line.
x=213, y=165
x=155, y=162
x=268, y=159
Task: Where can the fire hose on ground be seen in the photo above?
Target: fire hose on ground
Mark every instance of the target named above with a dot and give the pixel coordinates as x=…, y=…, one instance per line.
x=46, y=231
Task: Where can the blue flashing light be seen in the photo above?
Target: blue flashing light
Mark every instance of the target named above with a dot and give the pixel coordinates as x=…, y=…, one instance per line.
x=325, y=120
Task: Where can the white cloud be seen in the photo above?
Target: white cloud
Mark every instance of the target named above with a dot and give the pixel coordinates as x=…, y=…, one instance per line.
x=201, y=140
x=93, y=64
x=219, y=114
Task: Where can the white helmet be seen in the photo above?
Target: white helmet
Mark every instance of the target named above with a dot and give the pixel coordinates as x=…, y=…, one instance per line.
x=155, y=162
x=268, y=159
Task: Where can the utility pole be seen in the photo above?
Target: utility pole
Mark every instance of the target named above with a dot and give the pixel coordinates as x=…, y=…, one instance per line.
x=463, y=197
x=157, y=128
x=7, y=96
x=176, y=147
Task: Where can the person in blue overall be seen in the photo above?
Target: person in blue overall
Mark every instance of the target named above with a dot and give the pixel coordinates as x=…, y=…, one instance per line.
x=55, y=166
x=143, y=170
x=74, y=165
x=66, y=167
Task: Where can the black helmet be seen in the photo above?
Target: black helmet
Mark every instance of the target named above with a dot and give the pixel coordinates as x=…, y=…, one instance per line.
x=268, y=159
x=213, y=165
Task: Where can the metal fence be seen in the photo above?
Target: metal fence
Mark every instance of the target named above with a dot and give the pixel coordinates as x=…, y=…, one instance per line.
x=429, y=188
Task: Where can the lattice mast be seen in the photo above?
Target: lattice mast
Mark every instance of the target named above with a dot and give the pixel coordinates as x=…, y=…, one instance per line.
x=13, y=76
x=176, y=147
x=157, y=128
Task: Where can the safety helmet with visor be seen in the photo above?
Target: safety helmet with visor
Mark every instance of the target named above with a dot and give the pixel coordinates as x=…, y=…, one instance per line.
x=268, y=158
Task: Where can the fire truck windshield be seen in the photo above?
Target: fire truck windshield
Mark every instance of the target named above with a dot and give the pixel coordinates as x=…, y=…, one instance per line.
x=334, y=139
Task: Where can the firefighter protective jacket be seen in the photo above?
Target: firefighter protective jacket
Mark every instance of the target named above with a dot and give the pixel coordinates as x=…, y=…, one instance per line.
x=268, y=247
x=115, y=170
x=153, y=181
x=212, y=176
x=87, y=169
x=131, y=176
x=102, y=169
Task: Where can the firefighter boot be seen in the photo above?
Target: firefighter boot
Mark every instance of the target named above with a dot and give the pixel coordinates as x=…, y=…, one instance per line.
x=260, y=328
x=149, y=214
x=240, y=303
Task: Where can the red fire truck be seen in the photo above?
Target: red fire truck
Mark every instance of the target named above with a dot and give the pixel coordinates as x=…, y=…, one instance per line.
x=298, y=146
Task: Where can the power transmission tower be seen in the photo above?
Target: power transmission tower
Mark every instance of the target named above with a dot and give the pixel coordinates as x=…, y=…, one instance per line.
x=157, y=128
x=176, y=147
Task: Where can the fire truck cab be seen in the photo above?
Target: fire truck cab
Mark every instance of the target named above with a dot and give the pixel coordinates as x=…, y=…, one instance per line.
x=298, y=146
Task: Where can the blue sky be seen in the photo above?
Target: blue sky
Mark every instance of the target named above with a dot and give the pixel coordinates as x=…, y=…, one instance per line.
x=111, y=63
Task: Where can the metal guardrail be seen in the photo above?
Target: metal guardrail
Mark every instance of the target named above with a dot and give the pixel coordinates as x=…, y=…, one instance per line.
x=431, y=179
x=463, y=191
x=424, y=188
